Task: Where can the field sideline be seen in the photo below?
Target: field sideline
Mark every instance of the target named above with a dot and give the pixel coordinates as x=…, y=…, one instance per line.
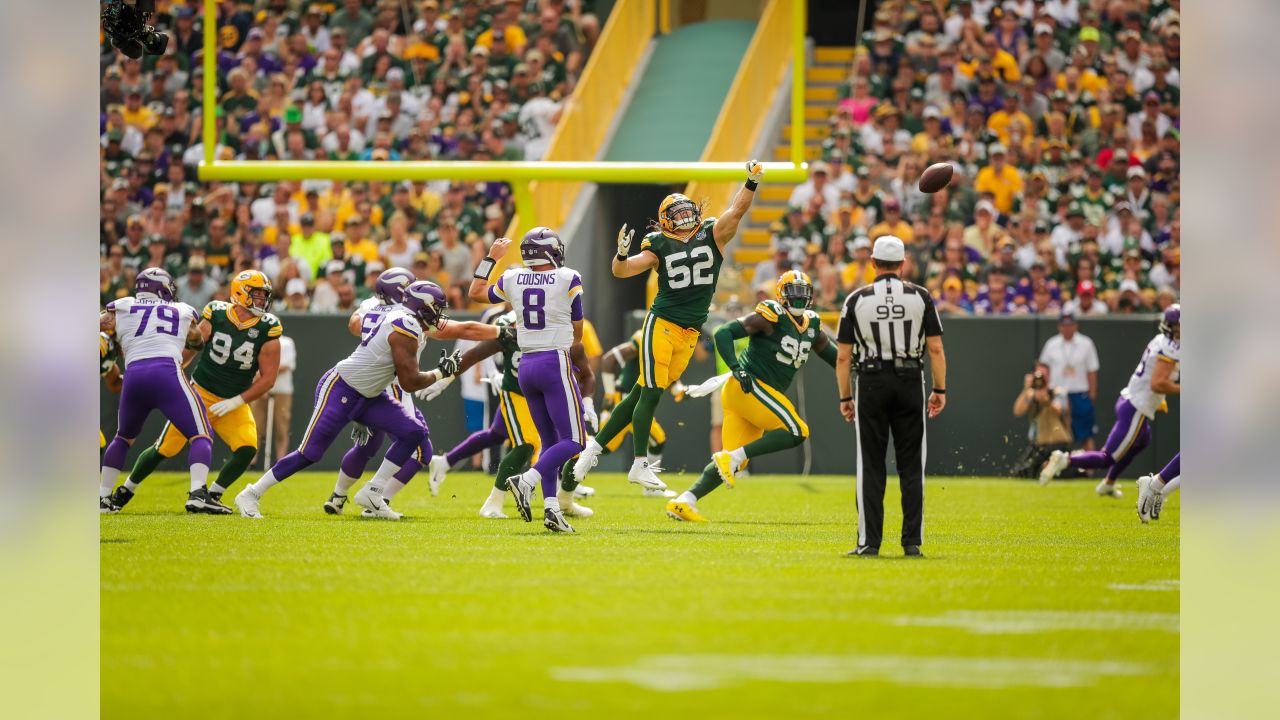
x=1032, y=602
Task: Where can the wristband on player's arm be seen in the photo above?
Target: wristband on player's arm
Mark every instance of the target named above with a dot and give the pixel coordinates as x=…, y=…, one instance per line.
x=940, y=391
x=752, y=185
x=484, y=268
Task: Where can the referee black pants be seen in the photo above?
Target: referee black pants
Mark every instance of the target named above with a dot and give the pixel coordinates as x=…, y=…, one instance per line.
x=890, y=401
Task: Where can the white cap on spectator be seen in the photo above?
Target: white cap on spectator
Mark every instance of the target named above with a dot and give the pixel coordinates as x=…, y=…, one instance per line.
x=1129, y=285
x=1043, y=29
x=889, y=249
x=374, y=267
x=932, y=112
x=1136, y=171
x=296, y=286
x=493, y=212
x=998, y=149
x=985, y=205
x=335, y=266
x=395, y=73
x=862, y=241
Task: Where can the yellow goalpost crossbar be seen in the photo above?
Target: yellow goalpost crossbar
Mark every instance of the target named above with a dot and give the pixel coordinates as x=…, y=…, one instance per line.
x=519, y=174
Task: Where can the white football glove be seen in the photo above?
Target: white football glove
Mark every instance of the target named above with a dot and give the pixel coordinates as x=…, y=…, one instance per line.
x=589, y=415
x=222, y=407
x=624, y=240
x=360, y=434
x=755, y=170
x=706, y=388
x=494, y=381
x=434, y=390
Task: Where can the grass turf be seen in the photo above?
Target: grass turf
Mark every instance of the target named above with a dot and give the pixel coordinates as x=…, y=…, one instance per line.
x=1031, y=602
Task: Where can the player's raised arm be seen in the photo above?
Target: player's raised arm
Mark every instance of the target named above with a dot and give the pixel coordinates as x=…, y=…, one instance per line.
x=480, y=290
x=624, y=266
x=727, y=224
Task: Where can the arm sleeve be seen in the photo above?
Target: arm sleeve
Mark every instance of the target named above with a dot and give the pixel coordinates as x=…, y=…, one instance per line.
x=828, y=351
x=932, y=323
x=575, y=307
x=725, y=335
x=847, y=330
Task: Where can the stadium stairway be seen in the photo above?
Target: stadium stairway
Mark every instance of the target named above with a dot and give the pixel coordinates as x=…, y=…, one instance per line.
x=829, y=67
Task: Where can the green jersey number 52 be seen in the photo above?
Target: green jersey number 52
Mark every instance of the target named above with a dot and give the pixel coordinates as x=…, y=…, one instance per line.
x=697, y=271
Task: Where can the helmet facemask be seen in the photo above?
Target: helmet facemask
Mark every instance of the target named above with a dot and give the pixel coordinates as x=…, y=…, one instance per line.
x=797, y=296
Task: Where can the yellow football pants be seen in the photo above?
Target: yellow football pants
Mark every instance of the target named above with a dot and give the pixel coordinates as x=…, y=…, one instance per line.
x=519, y=422
x=747, y=416
x=665, y=351
x=237, y=428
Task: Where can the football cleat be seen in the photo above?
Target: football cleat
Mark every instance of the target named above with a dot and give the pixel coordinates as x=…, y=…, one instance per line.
x=436, y=471
x=684, y=512
x=121, y=497
x=647, y=492
x=1106, y=489
x=247, y=502
x=1053, y=467
x=371, y=499
x=571, y=508
x=724, y=466
x=912, y=551
x=646, y=475
x=587, y=459
x=198, y=501
x=1158, y=505
x=215, y=496
x=105, y=507
x=523, y=491
x=1146, y=498
x=335, y=503
x=367, y=513
x=583, y=491
x=554, y=521
x=492, y=513
x=863, y=551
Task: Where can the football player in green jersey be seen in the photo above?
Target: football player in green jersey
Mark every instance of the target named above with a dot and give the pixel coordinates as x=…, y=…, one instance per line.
x=687, y=251
x=238, y=364
x=758, y=417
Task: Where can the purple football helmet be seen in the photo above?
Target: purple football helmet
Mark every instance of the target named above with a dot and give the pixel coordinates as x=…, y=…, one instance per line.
x=540, y=246
x=1171, y=319
x=155, y=282
x=391, y=284
x=427, y=302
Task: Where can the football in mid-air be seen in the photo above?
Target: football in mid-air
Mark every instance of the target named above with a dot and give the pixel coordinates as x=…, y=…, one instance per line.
x=935, y=177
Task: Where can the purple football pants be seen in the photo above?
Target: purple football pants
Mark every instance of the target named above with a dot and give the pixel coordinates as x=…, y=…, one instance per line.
x=547, y=383
x=1130, y=435
x=357, y=458
x=158, y=384
x=480, y=440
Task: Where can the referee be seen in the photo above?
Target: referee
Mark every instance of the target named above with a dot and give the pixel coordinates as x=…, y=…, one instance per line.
x=884, y=330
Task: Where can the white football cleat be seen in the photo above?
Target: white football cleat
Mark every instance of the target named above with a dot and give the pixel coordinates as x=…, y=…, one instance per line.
x=373, y=501
x=491, y=513
x=1111, y=490
x=583, y=491
x=247, y=502
x=646, y=476
x=436, y=471
x=1146, y=498
x=1053, y=467
x=587, y=460
x=647, y=492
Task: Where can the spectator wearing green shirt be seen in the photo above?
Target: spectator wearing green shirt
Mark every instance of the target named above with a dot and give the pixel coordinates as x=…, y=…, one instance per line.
x=355, y=20
x=311, y=245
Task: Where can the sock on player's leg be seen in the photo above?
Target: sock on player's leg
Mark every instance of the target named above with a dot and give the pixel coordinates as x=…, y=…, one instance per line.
x=1170, y=486
x=199, y=455
x=109, y=477
x=344, y=483
x=233, y=468
x=771, y=442
x=147, y=462
x=620, y=418
x=708, y=481
x=383, y=476
x=642, y=418
x=393, y=487
x=512, y=464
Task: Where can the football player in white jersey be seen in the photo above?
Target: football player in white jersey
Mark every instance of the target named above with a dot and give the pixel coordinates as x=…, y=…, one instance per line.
x=355, y=390
x=546, y=298
x=1155, y=377
x=152, y=329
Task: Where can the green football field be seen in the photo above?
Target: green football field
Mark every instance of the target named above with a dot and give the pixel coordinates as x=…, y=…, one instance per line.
x=1031, y=602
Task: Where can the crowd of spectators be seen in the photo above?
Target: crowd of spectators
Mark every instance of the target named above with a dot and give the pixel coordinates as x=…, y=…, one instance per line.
x=377, y=80
x=1061, y=121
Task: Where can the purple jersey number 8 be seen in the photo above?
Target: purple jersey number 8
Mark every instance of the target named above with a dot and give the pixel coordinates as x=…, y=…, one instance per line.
x=535, y=302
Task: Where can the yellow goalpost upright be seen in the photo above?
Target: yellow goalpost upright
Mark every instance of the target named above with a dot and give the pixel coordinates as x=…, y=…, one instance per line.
x=790, y=29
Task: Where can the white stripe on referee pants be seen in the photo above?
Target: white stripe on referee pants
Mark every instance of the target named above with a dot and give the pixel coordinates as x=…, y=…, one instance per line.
x=857, y=433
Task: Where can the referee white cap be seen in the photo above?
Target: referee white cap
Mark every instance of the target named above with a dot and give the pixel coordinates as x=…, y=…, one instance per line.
x=889, y=249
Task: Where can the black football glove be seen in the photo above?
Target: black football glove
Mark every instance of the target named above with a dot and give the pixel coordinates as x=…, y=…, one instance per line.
x=507, y=334
x=448, y=366
x=744, y=378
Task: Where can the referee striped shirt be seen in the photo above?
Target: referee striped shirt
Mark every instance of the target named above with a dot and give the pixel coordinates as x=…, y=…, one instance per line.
x=889, y=320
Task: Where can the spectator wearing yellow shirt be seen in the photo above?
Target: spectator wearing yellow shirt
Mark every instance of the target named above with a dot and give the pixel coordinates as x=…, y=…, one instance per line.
x=358, y=241
x=893, y=224
x=505, y=21
x=932, y=139
x=311, y=245
x=1000, y=179
x=136, y=114
x=860, y=271
x=1010, y=124
x=1002, y=63
x=984, y=233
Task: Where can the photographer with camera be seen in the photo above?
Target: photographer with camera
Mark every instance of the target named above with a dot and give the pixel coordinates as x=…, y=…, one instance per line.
x=1048, y=411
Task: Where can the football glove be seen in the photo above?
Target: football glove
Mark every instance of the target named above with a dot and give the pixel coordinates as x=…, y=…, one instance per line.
x=494, y=381
x=449, y=363
x=743, y=377
x=361, y=434
x=222, y=407
x=624, y=240
x=434, y=390
x=589, y=415
x=755, y=171
x=507, y=334
x=707, y=387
